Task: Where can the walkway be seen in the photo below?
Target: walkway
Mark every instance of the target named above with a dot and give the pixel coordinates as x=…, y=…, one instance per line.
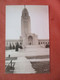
x=23, y=65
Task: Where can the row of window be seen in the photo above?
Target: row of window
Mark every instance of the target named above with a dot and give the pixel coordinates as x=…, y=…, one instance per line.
x=43, y=43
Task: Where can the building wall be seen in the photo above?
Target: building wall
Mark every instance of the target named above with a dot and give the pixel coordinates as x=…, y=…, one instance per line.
x=42, y=43
x=11, y=43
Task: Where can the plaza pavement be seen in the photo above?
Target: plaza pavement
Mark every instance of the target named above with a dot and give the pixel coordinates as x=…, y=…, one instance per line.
x=22, y=64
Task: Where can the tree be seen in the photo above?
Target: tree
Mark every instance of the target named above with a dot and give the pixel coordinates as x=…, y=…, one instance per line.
x=13, y=46
x=10, y=46
x=17, y=46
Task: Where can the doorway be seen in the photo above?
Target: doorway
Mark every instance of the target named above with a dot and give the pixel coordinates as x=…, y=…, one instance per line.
x=30, y=40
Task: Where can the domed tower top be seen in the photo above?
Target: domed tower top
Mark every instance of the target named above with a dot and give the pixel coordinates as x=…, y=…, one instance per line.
x=25, y=12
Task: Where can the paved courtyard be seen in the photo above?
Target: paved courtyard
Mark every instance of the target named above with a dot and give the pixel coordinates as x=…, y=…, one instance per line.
x=29, y=60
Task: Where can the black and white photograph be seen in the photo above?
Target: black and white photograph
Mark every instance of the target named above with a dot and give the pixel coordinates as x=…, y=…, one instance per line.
x=27, y=48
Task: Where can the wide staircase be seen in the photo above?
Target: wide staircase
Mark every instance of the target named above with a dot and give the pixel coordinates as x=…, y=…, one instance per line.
x=33, y=46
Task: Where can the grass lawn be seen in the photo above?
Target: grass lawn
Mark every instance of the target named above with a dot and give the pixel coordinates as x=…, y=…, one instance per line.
x=41, y=67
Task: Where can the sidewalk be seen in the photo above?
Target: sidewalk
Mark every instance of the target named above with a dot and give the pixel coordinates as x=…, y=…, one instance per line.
x=23, y=65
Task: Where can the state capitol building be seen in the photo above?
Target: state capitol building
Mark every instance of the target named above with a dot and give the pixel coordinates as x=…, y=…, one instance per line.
x=27, y=38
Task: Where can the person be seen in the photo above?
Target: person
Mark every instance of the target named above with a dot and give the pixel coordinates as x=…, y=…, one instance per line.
x=9, y=55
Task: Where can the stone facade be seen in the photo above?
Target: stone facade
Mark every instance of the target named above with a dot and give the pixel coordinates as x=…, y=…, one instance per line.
x=41, y=42
x=27, y=37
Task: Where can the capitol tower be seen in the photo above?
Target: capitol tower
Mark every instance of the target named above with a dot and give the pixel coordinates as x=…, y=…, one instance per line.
x=27, y=36
x=25, y=25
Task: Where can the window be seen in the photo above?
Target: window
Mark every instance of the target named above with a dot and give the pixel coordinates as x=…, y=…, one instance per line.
x=39, y=43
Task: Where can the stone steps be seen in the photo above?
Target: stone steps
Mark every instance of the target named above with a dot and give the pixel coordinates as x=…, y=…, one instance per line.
x=33, y=46
x=33, y=49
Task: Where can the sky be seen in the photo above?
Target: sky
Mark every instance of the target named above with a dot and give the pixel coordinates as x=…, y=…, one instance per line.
x=39, y=15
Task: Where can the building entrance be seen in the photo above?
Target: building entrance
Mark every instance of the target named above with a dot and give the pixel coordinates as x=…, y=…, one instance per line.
x=30, y=40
